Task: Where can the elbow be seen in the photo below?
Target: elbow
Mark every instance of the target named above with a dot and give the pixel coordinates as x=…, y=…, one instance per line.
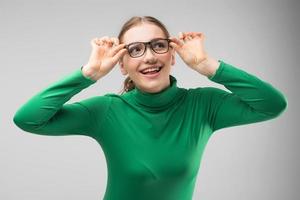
x=19, y=121
x=279, y=106
x=23, y=123
x=283, y=105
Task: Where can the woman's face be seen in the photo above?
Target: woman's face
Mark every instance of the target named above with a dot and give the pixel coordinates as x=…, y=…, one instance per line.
x=135, y=67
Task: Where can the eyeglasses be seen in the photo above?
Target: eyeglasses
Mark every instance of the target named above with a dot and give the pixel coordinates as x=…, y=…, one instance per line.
x=158, y=45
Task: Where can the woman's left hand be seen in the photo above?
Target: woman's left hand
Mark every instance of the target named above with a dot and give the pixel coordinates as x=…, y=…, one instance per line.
x=190, y=47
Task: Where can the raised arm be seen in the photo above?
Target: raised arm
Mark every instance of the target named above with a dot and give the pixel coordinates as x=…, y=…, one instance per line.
x=46, y=112
x=251, y=99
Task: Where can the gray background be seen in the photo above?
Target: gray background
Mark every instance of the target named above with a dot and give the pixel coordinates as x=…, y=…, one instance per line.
x=43, y=41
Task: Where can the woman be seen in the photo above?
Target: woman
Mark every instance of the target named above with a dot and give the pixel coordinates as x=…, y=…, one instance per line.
x=154, y=133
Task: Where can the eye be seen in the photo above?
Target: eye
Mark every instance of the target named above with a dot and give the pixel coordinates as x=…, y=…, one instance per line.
x=161, y=44
x=135, y=48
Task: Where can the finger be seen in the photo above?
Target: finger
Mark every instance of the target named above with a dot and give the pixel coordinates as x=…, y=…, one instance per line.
x=108, y=42
x=104, y=40
x=186, y=36
x=177, y=44
x=93, y=41
x=96, y=42
x=202, y=36
x=193, y=35
x=111, y=41
x=99, y=41
x=180, y=35
x=116, y=49
x=198, y=35
x=177, y=41
x=119, y=55
x=115, y=40
x=189, y=35
x=174, y=46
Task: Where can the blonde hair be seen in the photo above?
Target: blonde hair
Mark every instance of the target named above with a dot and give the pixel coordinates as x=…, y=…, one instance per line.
x=134, y=21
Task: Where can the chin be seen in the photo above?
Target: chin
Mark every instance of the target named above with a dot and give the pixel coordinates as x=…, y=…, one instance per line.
x=153, y=84
x=153, y=87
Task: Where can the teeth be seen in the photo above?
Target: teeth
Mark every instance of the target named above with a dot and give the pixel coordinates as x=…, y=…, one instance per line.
x=151, y=69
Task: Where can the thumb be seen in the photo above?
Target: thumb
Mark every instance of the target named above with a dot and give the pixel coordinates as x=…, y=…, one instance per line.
x=119, y=55
x=176, y=43
x=177, y=48
x=174, y=46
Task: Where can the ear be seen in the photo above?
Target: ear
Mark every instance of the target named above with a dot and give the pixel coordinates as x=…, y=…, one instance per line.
x=173, y=57
x=122, y=68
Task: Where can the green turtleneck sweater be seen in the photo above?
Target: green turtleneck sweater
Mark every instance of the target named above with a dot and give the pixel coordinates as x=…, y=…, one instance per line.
x=153, y=142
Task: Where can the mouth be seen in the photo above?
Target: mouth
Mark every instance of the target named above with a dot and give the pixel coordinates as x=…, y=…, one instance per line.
x=151, y=71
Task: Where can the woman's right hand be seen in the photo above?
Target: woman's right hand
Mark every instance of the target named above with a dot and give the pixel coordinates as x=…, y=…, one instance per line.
x=105, y=54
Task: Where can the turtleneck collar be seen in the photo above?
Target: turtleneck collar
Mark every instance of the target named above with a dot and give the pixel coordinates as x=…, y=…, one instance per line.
x=157, y=100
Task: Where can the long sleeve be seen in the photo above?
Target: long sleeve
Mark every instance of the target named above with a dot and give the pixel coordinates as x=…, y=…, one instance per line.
x=46, y=112
x=251, y=99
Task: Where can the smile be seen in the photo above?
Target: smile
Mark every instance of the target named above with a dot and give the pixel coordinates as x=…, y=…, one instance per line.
x=151, y=70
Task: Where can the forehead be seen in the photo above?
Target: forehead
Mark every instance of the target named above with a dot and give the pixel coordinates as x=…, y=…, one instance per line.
x=143, y=33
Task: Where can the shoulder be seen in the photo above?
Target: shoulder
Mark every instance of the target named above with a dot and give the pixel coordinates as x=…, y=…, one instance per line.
x=207, y=95
x=202, y=91
x=97, y=103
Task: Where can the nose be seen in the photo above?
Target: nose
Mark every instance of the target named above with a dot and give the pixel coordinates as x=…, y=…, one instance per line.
x=149, y=56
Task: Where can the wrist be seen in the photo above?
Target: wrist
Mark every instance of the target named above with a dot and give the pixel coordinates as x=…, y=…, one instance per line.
x=208, y=67
x=90, y=73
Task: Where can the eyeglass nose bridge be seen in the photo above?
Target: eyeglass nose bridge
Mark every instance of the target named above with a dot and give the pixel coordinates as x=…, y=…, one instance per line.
x=148, y=44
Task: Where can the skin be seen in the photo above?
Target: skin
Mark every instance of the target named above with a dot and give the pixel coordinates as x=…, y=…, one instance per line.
x=107, y=52
x=132, y=66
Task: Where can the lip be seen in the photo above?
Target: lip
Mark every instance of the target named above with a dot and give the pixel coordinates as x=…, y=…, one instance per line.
x=151, y=67
x=152, y=76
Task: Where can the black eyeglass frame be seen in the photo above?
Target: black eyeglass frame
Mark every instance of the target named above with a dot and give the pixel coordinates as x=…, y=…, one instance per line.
x=146, y=44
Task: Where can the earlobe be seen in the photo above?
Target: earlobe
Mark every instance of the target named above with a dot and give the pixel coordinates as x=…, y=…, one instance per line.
x=173, y=59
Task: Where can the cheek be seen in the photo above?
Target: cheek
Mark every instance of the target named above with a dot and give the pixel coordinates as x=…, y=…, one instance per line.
x=167, y=58
x=130, y=64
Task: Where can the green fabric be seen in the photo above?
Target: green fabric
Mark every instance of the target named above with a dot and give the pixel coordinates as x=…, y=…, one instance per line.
x=153, y=143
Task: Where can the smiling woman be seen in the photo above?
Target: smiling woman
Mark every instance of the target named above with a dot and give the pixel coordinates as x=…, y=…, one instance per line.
x=154, y=134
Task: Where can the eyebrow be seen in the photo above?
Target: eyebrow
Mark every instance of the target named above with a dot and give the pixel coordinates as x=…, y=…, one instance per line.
x=147, y=41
